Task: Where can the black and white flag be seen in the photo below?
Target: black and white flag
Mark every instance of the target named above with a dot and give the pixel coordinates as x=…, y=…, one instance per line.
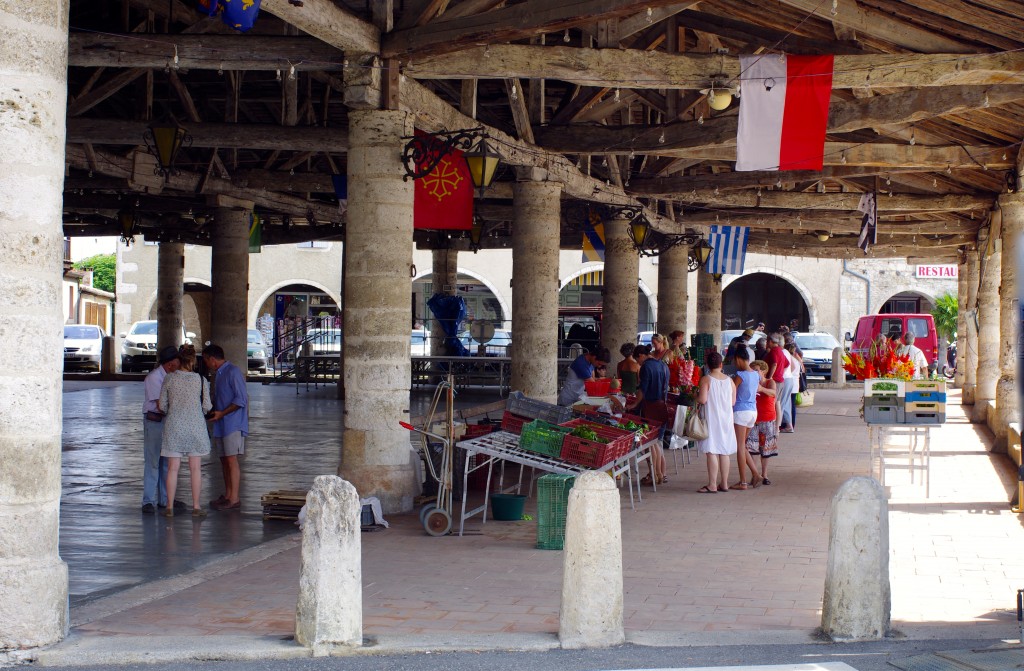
x=869, y=224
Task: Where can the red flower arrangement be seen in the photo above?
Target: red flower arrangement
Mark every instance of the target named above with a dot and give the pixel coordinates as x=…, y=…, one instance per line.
x=882, y=361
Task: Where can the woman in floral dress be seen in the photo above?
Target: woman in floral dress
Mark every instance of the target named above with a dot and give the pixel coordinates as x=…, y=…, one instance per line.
x=185, y=397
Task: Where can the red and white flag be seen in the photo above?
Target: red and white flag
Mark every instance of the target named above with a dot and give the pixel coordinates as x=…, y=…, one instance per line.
x=783, y=112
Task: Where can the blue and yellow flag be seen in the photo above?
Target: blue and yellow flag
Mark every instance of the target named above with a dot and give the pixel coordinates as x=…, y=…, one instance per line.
x=593, y=237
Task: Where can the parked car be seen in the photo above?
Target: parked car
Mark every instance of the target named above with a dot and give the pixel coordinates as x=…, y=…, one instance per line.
x=83, y=346
x=498, y=345
x=256, y=351
x=817, y=349
x=420, y=343
x=138, y=346
x=320, y=342
x=728, y=335
x=644, y=337
x=893, y=326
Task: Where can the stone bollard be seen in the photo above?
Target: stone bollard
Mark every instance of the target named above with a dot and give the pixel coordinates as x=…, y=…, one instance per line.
x=857, y=600
x=838, y=373
x=330, y=607
x=591, y=614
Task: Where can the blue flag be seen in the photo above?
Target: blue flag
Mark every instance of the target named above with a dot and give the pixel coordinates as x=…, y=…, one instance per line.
x=730, y=249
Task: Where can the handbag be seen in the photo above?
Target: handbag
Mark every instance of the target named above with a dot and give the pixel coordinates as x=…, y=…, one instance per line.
x=154, y=416
x=697, y=423
x=803, y=382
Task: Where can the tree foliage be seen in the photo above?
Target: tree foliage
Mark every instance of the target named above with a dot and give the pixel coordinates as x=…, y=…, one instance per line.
x=104, y=270
x=946, y=309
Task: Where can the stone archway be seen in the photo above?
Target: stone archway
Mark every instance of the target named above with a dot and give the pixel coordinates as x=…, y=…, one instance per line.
x=648, y=298
x=195, y=308
x=256, y=307
x=767, y=296
x=912, y=301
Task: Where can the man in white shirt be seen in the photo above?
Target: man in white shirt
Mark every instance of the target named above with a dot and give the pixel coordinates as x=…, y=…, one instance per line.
x=154, y=470
x=916, y=356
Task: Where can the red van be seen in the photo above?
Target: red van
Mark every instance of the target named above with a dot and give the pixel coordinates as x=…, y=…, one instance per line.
x=894, y=326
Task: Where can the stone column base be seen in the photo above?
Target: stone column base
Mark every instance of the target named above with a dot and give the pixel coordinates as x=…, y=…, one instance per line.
x=395, y=486
x=33, y=604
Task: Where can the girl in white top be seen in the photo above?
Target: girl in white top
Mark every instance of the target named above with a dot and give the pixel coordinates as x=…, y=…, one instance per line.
x=719, y=393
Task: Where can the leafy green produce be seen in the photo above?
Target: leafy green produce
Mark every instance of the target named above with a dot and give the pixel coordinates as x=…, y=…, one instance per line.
x=586, y=433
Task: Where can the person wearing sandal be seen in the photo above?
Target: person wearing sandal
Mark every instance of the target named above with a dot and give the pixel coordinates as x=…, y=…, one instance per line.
x=185, y=396
x=718, y=393
x=650, y=398
x=763, y=439
x=744, y=415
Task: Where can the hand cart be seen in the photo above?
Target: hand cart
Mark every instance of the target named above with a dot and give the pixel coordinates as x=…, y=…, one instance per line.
x=436, y=515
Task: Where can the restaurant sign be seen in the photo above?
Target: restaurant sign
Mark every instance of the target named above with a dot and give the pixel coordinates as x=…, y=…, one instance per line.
x=941, y=272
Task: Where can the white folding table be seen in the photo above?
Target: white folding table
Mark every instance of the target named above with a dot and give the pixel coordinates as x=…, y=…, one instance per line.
x=502, y=446
x=917, y=450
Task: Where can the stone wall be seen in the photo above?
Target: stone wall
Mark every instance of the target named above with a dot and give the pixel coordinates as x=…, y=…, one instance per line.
x=888, y=278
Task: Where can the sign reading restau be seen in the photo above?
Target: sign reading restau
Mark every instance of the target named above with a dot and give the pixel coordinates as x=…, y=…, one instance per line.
x=941, y=272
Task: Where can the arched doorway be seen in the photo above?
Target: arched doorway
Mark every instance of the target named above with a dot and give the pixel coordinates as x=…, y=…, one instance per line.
x=586, y=289
x=907, y=302
x=481, y=302
x=763, y=297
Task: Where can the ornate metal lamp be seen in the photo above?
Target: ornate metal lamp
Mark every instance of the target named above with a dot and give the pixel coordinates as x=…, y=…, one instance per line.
x=423, y=152
x=163, y=140
x=128, y=220
x=650, y=242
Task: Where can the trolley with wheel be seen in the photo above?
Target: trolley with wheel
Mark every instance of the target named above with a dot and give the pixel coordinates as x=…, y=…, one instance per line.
x=436, y=515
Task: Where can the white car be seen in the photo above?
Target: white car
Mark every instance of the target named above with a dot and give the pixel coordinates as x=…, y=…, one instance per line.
x=727, y=337
x=138, y=346
x=83, y=346
x=817, y=350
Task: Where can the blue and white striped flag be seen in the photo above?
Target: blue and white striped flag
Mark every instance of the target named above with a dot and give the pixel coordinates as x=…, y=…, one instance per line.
x=730, y=249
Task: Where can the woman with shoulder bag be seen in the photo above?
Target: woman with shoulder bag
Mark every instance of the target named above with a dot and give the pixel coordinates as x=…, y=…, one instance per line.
x=185, y=397
x=718, y=395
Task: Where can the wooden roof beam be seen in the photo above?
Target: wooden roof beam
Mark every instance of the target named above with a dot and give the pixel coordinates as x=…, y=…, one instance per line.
x=328, y=22
x=660, y=70
x=203, y=52
x=517, y=22
x=219, y=135
x=836, y=202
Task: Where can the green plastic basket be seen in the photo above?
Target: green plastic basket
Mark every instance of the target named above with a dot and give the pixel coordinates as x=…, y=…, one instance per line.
x=552, y=504
x=542, y=438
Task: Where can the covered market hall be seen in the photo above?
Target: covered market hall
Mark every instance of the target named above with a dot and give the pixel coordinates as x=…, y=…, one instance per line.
x=157, y=121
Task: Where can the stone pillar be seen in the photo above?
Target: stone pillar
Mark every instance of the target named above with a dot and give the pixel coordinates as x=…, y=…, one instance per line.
x=969, y=356
x=857, y=599
x=988, y=337
x=329, y=611
x=229, y=278
x=621, y=273
x=446, y=273
x=170, y=290
x=961, y=321
x=33, y=99
x=535, y=248
x=709, y=305
x=376, y=457
x=673, y=293
x=1012, y=206
x=591, y=614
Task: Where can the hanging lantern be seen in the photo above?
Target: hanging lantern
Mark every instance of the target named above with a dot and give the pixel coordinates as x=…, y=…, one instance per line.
x=483, y=164
x=128, y=220
x=164, y=140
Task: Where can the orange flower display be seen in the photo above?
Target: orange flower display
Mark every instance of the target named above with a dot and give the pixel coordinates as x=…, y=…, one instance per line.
x=882, y=361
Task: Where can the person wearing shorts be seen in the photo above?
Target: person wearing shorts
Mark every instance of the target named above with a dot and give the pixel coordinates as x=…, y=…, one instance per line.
x=230, y=419
x=763, y=438
x=744, y=415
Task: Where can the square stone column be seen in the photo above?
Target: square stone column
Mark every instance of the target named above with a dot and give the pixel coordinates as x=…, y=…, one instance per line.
x=33, y=100
x=377, y=457
x=621, y=274
x=535, y=279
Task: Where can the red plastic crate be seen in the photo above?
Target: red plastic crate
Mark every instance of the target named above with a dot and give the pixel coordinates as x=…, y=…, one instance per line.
x=590, y=453
x=477, y=430
x=602, y=386
x=513, y=423
x=651, y=433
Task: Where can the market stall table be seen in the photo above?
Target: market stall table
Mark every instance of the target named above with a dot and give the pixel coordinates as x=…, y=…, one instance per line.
x=504, y=446
x=917, y=450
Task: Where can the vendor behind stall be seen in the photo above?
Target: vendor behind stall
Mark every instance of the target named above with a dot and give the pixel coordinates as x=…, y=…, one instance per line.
x=581, y=370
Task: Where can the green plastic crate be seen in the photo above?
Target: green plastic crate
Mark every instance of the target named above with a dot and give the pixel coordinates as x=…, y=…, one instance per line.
x=552, y=504
x=540, y=437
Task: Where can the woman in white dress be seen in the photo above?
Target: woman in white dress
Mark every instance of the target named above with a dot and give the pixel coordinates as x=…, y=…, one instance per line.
x=185, y=397
x=718, y=392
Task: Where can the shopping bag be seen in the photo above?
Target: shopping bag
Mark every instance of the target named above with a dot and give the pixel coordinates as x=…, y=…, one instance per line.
x=677, y=443
x=804, y=399
x=679, y=425
x=697, y=423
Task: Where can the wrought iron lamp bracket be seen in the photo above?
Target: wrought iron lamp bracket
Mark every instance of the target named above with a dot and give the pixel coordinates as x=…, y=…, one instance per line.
x=422, y=153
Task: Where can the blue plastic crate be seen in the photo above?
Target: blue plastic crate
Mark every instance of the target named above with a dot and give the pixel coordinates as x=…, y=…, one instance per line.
x=926, y=397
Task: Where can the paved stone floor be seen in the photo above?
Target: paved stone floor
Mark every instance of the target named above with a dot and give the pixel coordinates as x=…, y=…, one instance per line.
x=741, y=561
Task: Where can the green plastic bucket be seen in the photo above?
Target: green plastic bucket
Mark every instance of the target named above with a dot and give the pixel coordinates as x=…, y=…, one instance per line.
x=507, y=507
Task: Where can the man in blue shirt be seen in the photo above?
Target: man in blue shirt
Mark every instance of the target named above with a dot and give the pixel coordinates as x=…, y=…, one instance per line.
x=581, y=370
x=650, y=398
x=230, y=419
